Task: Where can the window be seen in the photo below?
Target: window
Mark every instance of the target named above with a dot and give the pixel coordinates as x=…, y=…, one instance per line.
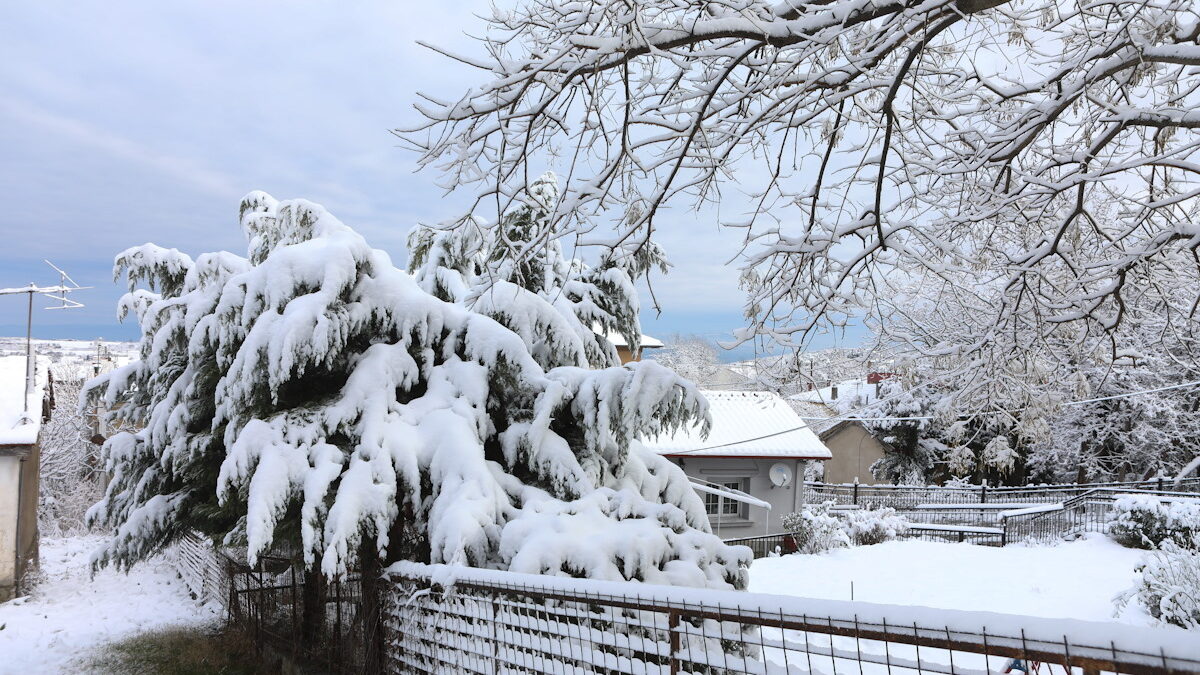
x=716, y=504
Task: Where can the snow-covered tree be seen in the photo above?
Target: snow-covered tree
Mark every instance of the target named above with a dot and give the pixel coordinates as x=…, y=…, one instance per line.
x=313, y=398
x=1032, y=161
x=692, y=358
x=516, y=273
x=70, y=461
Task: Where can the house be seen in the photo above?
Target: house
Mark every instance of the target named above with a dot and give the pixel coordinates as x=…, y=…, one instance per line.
x=628, y=354
x=22, y=411
x=757, y=446
x=853, y=449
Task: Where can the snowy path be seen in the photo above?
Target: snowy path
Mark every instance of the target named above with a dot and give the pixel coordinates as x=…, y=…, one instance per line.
x=69, y=615
x=1075, y=580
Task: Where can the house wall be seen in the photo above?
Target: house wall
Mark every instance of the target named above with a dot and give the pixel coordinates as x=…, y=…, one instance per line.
x=18, y=516
x=753, y=520
x=27, y=522
x=10, y=490
x=854, y=450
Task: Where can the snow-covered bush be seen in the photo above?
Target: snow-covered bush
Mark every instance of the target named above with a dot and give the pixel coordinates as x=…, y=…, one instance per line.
x=865, y=527
x=815, y=529
x=313, y=396
x=70, y=463
x=1168, y=584
x=1143, y=521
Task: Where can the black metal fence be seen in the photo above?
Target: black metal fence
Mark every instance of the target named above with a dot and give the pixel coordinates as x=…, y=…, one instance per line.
x=782, y=543
x=1087, y=512
x=905, y=497
x=443, y=619
x=302, y=618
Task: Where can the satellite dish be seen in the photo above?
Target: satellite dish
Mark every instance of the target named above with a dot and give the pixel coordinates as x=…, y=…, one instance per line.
x=780, y=475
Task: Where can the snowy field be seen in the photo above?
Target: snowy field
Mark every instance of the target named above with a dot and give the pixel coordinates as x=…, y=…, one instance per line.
x=1076, y=580
x=68, y=616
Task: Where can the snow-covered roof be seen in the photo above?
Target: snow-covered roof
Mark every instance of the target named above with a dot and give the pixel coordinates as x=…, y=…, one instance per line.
x=745, y=424
x=647, y=342
x=17, y=428
x=815, y=415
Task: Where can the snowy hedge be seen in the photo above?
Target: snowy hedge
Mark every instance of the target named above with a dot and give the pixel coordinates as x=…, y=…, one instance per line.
x=865, y=527
x=1144, y=521
x=313, y=396
x=817, y=529
x=1168, y=584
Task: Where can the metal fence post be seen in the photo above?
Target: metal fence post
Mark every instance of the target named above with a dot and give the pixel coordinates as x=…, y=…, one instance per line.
x=983, y=493
x=673, y=627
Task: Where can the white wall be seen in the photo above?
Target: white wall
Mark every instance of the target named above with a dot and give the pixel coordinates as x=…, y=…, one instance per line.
x=757, y=520
x=10, y=483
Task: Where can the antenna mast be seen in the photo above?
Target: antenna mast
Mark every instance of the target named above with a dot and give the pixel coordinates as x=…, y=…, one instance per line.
x=59, y=293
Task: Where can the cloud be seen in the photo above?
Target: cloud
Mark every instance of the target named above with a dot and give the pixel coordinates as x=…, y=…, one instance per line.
x=183, y=170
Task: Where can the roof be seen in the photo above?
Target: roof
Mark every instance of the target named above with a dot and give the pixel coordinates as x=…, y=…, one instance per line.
x=17, y=428
x=745, y=424
x=816, y=415
x=647, y=342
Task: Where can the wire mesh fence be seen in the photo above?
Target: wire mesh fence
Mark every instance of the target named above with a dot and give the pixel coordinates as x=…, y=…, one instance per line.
x=202, y=568
x=440, y=619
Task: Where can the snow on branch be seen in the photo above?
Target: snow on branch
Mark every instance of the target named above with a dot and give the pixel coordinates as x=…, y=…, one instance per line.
x=1035, y=159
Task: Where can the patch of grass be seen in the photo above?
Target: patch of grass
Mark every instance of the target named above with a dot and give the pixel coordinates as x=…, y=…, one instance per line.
x=180, y=651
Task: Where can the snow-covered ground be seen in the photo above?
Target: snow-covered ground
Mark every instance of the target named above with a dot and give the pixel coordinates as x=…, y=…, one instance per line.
x=1075, y=580
x=68, y=616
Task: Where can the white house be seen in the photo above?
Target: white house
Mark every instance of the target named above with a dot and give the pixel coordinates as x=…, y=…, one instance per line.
x=757, y=445
x=21, y=416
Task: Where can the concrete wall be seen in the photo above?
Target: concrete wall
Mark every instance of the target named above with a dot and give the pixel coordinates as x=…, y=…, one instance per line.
x=18, y=516
x=753, y=520
x=854, y=450
x=10, y=492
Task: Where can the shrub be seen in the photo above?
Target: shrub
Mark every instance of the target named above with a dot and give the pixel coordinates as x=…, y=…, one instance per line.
x=1168, y=584
x=1141, y=521
x=865, y=527
x=815, y=529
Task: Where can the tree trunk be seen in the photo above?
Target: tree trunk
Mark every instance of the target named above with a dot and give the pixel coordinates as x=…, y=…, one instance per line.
x=370, y=572
x=312, y=613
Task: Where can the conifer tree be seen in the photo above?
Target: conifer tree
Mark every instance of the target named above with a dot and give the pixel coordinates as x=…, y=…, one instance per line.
x=312, y=397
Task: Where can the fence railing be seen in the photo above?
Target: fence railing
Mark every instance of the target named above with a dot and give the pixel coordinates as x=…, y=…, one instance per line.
x=319, y=623
x=202, y=568
x=782, y=543
x=906, y=497
x=1087, y=512
x=445, y=619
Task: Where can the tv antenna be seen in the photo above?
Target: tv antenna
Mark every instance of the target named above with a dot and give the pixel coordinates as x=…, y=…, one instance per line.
x=59, y=293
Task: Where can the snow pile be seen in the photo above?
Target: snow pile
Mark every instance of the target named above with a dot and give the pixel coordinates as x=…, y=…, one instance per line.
x=315, y=397
x=1146, y=521
x=18, y=427
x=69, y=614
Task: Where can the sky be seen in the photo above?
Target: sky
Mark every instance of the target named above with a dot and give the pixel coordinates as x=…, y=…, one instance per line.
x=122, y=123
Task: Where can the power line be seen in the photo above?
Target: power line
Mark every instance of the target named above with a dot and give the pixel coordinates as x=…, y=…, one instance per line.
x=915, y=418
